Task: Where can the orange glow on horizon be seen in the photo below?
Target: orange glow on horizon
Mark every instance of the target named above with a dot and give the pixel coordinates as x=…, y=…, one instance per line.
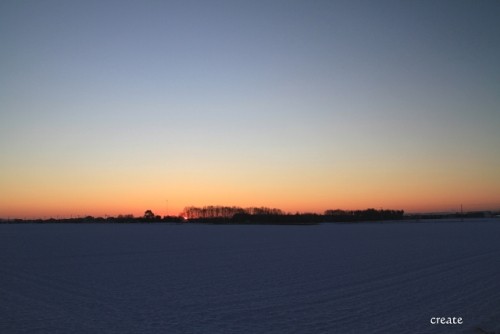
x=76, y=207
x=112, y=193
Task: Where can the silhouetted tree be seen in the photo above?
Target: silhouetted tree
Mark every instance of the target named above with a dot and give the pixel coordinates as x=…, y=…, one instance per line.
x=149, y=215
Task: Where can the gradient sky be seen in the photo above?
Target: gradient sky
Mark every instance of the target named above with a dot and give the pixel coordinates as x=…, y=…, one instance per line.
x=115, y=107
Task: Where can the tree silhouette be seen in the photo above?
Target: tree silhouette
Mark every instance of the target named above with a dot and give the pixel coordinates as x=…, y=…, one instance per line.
x=148, y=214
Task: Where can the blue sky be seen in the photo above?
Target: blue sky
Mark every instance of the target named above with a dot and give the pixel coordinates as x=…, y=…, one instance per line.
x=336, y=102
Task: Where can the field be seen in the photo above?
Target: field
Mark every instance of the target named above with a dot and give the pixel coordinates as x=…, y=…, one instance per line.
x=191, y=278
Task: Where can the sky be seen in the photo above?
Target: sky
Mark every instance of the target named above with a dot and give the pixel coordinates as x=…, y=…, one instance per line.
x=116, y=107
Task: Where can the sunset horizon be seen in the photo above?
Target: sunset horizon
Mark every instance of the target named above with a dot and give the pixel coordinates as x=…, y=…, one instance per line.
x=177, y=211
x=111, y=108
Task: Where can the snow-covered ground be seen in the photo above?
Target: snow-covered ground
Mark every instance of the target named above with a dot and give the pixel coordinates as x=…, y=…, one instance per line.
x=329, y=278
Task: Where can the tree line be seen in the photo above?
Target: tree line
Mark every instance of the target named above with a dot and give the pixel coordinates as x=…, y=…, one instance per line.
x=338, y=215
x=259, y=215
x=218, y=211
x=218, y=214
x=264, y=215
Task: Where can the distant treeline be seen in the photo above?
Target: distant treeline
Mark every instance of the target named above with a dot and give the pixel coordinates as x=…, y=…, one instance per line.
x=363, y=215
x=263, y=215
x=108, y=219
x=260, y=215
x=457, y=215
x=217, y=211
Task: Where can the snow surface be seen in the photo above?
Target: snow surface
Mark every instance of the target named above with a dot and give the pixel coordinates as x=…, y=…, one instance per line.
x=328, y=278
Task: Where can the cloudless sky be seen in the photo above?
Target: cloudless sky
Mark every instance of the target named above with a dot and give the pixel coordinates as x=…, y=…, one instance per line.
x=115, y=107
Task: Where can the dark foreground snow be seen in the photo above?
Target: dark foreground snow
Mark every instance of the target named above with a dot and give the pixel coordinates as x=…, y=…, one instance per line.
x=329, y=278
